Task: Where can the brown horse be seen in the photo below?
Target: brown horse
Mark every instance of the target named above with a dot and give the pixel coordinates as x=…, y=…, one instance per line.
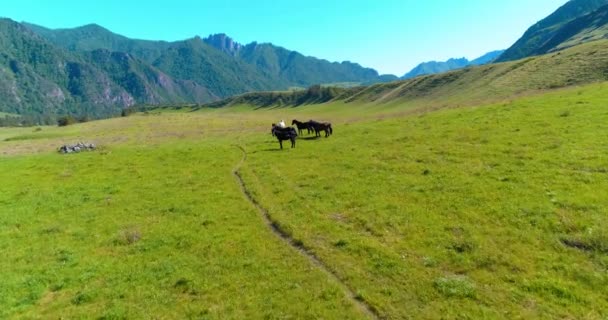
x=321, y=126
x=302, y=125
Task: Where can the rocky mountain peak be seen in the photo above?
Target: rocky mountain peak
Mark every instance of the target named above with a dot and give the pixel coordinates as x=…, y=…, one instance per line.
x=223, y=43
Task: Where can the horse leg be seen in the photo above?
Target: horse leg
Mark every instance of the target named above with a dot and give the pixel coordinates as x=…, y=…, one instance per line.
x=293, y=142
x=281, y=143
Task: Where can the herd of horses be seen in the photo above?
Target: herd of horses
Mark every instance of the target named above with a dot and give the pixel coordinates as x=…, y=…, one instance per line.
x=290, y=133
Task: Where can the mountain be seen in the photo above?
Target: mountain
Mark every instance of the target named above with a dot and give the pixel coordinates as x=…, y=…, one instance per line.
x=222, y=74
x=144, y=82
x=433, y=67
x=262, y=66
x=40, y=78
x=224, y=43
x=300, y=70
x=590, y=27
x=542, y=36
x=91, y=70
x=294, y=67
x=486, y=58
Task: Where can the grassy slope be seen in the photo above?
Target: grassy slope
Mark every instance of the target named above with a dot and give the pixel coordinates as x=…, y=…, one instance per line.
x=474, y=85
x=489, y=212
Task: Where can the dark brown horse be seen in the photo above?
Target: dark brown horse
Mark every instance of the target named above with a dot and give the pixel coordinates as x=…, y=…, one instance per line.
x=321, y=126
x=302, y=125
x=288, y=133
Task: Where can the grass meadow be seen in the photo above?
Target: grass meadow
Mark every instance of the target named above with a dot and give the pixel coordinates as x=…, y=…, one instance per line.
x=492, y=211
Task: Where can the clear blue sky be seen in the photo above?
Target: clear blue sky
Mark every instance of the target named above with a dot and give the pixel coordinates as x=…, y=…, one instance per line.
x=391, y=36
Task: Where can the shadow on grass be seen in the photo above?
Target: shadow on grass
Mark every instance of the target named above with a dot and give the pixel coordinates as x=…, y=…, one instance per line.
x=273, y=150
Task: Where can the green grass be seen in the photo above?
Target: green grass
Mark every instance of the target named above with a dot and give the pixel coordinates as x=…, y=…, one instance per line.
x=495, y=211
x=147, y=232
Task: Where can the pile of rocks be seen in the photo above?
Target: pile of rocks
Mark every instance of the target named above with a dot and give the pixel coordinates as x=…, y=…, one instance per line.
x=79, y=147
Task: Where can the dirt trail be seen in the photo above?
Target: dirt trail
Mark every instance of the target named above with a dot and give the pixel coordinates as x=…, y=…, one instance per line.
x=359, y=302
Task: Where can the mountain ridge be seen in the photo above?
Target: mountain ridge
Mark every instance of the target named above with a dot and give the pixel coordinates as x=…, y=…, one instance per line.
x=91, y=70
x=150, y=50
x=433, y=67
x=537, y=36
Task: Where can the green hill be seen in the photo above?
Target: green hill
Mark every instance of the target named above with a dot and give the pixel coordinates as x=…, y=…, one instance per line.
x=542, y=36
x=43, y=79
x=578, y=65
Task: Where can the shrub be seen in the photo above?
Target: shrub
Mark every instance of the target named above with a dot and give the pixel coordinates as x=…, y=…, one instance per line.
x=126, y=112
x=66, y=121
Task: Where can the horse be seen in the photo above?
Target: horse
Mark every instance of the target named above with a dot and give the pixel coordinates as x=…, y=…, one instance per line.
x=302, y=125
x=288, y=133
x=321, y=126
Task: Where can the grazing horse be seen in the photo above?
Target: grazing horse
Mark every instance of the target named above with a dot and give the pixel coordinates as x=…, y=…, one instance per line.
x=321, y=126
x=288, y=133
x=302, y=125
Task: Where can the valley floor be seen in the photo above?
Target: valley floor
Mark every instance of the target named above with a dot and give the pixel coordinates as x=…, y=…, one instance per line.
x=494, y=211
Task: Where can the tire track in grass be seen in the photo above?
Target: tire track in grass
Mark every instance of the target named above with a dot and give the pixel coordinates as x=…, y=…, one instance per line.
x=297, y=245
